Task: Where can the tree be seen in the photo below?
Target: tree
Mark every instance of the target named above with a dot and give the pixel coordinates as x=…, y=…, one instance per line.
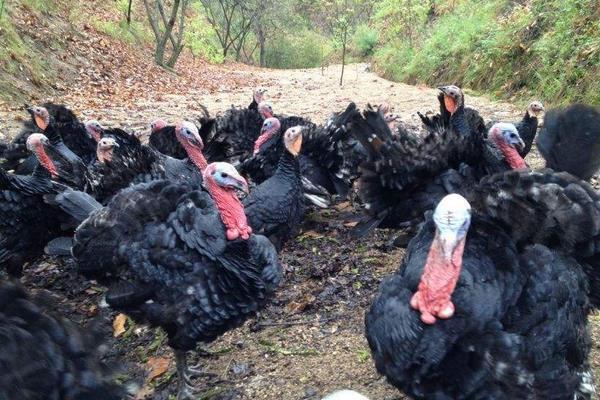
x=231, y=20
x=164, y=29
x=129, y=12
x=344, y=16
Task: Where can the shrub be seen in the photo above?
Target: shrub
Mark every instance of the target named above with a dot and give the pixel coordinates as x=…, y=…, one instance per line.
x=304, y=50
x=365, y=40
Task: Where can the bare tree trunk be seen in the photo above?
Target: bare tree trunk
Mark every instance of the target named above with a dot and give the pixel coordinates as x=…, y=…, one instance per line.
x=261, y=43
x=162, y=37
x=410, y=32
x=128, y=12
x=344, y=53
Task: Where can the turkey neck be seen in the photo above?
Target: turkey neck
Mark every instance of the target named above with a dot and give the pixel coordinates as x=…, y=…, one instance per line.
x=230, y=207
x=46, y=162
x=262, y=139
x=52, y=133
x=511, y=155
x=440, y=275
x=458, y=121
x=529, y=118
x=288, y=166
x=195, y=155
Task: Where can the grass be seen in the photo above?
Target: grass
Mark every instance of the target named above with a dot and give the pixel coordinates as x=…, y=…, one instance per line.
x=134, y=33
x=547, y=49
x=39, y=6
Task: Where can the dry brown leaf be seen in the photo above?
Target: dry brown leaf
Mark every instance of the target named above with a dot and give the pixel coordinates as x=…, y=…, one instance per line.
x=157, y=366
x=343, y=206
x=295, y=307
x=311, y=234
x=119, y=325
x=351, y=224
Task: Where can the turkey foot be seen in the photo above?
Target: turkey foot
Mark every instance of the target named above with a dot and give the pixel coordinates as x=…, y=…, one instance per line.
x=186, y=391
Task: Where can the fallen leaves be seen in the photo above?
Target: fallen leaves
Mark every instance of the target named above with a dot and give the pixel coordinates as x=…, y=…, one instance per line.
x=119, y=325
x=157, y=366
x=301, y=304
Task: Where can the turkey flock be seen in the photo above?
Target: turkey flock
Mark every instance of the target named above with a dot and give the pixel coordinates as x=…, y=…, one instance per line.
x=491, y=300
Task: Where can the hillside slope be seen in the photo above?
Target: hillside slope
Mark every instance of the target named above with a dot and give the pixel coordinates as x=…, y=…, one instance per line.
x=58, y=50
x=547, y=49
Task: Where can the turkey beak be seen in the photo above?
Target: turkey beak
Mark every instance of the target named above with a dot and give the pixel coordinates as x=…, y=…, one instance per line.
x=39, y=121
x=444, y=89
x=197, y=142
x=517, y=143
x=296, y=145
x=448, y=243
x=237, y=182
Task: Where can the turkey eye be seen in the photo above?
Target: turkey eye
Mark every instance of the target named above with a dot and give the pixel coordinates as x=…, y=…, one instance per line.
x=224, y=175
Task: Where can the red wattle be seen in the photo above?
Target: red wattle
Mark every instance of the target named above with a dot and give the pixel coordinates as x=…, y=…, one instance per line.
x=47, y=162
x=511, y=155
x=450, y=104
x=96, y=135
x=262, y=139
x=440, y=275
x=231, y=210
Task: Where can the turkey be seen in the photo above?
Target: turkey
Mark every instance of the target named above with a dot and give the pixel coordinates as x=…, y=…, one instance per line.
x=162, y=138
x=181, y=258
x=570, y=140
x=471, y=314
x=275, y=208
x=452, y=99
x=43, y=356
x=141, y=163
x=65, y=123
x=528, y=126
x=407, y=175
x=121, y=137
x=258, y=97
x=321, y=160
x=238, y=127
x=27, y=223
x=73, y=135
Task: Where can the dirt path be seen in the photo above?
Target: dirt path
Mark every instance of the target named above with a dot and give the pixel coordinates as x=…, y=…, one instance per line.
x=312, y=342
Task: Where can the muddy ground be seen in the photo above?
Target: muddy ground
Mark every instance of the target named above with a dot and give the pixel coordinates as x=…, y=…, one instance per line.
x=310, y=340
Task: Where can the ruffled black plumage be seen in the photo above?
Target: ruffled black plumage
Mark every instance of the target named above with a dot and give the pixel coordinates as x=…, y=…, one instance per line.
x=570, y=140
x=43, y=356
x=519, y=329
x=165, y=242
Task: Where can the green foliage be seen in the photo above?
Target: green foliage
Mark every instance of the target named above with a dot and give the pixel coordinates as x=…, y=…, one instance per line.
x=305, y=49
x=200, y=39
x=133, y=33
x=137, y=32
x=547, y=49
x=40, y=6
x=16, y=61
x=365, y=39
x=400, y=19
